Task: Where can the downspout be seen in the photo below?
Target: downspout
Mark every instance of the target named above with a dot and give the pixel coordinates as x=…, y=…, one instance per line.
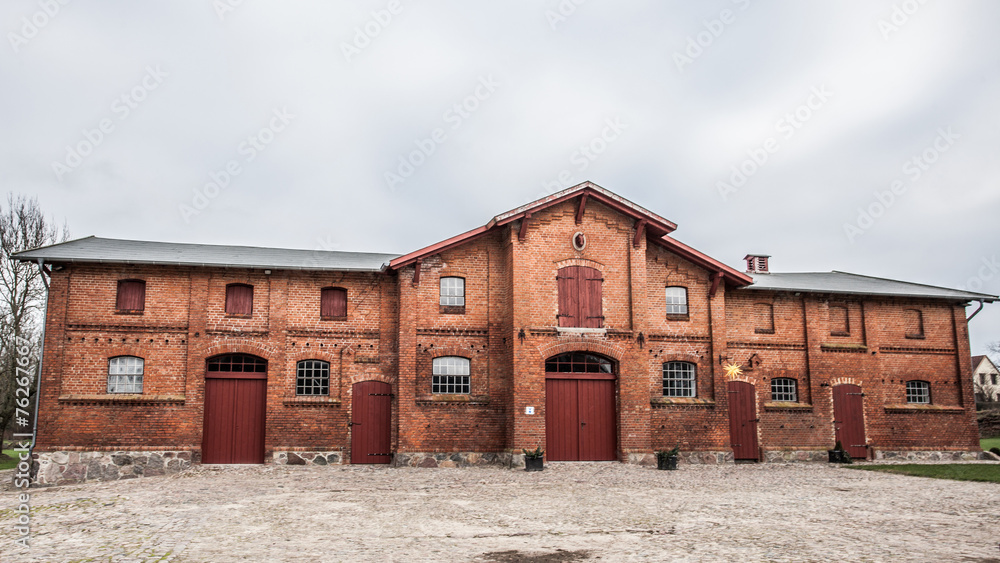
x=41, y=358
x=981, y=305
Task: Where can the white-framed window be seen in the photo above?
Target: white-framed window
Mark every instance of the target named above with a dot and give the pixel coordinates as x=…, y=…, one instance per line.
x=312, y=377
x=918, y=392
x=677, y=300
x=678, y=379
x=453, y=292
x=784, y=389
x=450, y=375
x=125, y=374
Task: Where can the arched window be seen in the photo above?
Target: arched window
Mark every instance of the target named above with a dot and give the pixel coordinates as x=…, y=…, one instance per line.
x=918, y=392
x=450, y=374
x=239, y=299
x=312, y=377
x=678, y=379
x=763, y=318
x=131, y=296
x=784, y=389
x=125, y=374
x=677, y=300
x=333, y=303
x=914, y=320
x=579, y=362
x=840, y=324
x=240, y=363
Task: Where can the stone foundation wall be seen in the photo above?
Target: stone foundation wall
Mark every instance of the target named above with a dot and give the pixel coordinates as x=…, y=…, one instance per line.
x=928, y=456
x=64, y=468
x=802, y=456
x=457, y=459
x=308, y=458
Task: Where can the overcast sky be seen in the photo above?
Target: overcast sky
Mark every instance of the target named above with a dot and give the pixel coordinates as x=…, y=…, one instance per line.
x=857, y=136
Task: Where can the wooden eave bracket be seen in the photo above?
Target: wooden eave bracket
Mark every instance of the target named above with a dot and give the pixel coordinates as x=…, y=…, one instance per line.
x=640, y=231
x=716, y=280
x=416, y=271
x=581, y=208
x=524, y=227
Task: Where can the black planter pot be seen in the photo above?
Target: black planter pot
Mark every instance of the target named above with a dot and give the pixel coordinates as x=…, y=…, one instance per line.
x=837, y=456
x=666, y=462
x=533, y=464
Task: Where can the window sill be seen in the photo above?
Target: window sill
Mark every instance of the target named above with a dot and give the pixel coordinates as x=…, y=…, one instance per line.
x=312, y=401
x=787, y=406
x=451, y=309
x=234, y=316
x=916, y=336
x=763, y=331
x=132, y=313
x=681, y=402
x=678, y=317
x=454, y=399
x=580, y=331
x=840, y=333
x=123, y=398
x=904, y=408
x=333, y=318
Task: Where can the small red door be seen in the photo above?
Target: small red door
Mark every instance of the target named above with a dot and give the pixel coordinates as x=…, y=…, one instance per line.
x=849, y=419
x=371, y=420
x=234, y=418
x=743, y=420
x=580, y=419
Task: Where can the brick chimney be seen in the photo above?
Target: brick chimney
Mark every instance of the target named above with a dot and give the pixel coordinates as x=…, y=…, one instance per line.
x=757, y=263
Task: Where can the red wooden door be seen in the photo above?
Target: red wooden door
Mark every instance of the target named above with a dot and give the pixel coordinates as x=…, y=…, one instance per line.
x=580, y=297
x=849, y=419
x=743, y=420
x=234, y=418
x=580, y=420
x=371, y=420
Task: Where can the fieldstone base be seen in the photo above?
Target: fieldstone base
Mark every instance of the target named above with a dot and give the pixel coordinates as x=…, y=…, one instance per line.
x=308, y=458
x=928, y=456
x=64, y=468
x=796, y=456
x=458, y=459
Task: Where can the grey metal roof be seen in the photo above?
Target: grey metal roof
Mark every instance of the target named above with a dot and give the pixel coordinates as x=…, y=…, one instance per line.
x=116, y=251
x=855, y=284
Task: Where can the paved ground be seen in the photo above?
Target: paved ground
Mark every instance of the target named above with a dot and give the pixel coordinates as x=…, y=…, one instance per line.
x=569, y=512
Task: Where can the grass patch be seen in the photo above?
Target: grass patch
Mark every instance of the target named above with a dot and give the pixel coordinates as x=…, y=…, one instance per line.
x=989, y=473
x=8, y=463
x=987, y=443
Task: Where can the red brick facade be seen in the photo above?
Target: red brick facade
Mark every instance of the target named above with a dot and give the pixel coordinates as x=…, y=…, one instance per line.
x=395, y=328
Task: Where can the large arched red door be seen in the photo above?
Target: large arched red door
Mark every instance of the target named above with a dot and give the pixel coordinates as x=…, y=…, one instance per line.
x=580, y=414
x=235, y=405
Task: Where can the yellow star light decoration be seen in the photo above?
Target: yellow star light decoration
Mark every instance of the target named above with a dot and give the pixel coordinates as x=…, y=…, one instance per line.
x=733, y=370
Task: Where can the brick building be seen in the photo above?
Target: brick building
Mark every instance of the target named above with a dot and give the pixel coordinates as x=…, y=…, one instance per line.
x=575, y=323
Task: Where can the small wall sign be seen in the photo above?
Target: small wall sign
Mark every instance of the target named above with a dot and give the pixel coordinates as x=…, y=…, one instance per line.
x=529, y=410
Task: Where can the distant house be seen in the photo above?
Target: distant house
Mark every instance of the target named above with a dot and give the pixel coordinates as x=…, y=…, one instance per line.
x=985, y=379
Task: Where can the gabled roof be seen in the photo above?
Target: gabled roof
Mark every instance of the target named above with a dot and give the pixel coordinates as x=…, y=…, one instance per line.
x=855, y=284
x=115, y=251
x=976, y=360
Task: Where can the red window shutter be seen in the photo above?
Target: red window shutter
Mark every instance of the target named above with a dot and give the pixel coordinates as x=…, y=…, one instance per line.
x=239, y=299
x=333, y=302
x=131, y=295
x=569, y=296
x=590, y=303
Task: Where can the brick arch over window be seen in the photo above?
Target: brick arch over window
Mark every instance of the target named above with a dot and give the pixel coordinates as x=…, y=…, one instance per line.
x=224, y=348
x=580, y=262
x=613, y=351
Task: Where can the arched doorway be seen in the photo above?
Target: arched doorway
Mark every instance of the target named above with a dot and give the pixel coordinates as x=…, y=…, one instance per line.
x=235, y=406
x=580, y=417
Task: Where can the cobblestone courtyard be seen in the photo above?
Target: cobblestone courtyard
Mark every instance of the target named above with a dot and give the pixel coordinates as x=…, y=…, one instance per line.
x=569, y=512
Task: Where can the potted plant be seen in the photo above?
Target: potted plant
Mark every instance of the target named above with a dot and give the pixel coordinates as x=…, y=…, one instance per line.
x=667, y=459
x=533, y=459
x=838, y=454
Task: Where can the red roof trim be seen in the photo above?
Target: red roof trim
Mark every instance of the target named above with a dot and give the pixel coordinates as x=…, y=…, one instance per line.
x=703, y=259
x=654, y=223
